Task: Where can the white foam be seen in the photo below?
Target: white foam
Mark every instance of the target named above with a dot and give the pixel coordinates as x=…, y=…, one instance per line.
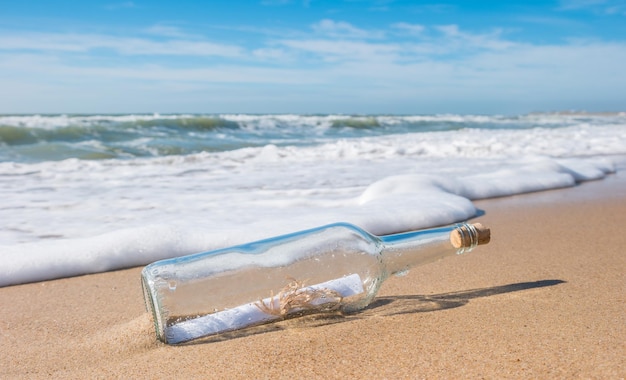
x=74, y=217
x=60, y=121
x=294, y=120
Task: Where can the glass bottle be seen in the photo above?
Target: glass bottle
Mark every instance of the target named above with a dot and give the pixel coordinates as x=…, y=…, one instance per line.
x=338, y=267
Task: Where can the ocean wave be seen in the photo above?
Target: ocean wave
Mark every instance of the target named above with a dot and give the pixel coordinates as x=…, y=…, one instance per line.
x=37, y=138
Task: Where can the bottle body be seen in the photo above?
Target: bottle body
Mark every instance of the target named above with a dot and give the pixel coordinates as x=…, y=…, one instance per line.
x=335, y=267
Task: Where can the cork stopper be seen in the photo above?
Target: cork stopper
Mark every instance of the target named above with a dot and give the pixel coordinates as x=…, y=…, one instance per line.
x=464, y=237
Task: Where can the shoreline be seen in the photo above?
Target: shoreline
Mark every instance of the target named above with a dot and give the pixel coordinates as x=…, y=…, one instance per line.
x=544, y=299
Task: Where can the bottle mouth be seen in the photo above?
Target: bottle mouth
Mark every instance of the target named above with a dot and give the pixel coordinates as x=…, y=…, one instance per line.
x=466, y=236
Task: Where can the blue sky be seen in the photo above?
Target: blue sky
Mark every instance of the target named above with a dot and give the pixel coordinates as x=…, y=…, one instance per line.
x=309, y=56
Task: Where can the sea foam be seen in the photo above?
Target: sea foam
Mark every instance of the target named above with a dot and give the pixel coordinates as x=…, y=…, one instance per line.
x=76, y=216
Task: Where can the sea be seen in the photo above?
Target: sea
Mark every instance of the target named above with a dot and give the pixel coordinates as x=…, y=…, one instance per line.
x=84, y=194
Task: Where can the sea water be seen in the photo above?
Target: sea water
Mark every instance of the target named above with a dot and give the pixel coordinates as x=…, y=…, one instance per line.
x=89, y=193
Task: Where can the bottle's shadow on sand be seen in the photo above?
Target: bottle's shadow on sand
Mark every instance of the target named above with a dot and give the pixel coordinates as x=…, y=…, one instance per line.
x=395, y=305
x=384, y=306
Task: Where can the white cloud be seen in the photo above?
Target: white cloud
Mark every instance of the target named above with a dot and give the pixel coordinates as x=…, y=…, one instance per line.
x=167, y=31
x=342, y=50
x=523, y=66
x=448, y=30
x=32, y=67
x=51, y=42
x=454, y=39
x=449, y=40
x=340, y=29
x=415, y=29
x=177, y=47
x=273, y=55
x=41, y=42
x=440, y=65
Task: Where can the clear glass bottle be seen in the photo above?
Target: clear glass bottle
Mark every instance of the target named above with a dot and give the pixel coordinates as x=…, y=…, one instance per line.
x=338, y=267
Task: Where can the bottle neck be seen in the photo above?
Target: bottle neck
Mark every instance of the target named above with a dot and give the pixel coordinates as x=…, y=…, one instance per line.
x=403, y=251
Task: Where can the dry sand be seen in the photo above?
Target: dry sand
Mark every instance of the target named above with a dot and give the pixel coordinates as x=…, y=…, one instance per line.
x=545, y=299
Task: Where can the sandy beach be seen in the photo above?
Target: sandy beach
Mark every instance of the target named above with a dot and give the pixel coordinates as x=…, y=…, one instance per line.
x=545, y=299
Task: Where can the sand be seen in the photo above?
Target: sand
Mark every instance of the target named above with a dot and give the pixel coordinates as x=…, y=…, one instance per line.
x=545, y=299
